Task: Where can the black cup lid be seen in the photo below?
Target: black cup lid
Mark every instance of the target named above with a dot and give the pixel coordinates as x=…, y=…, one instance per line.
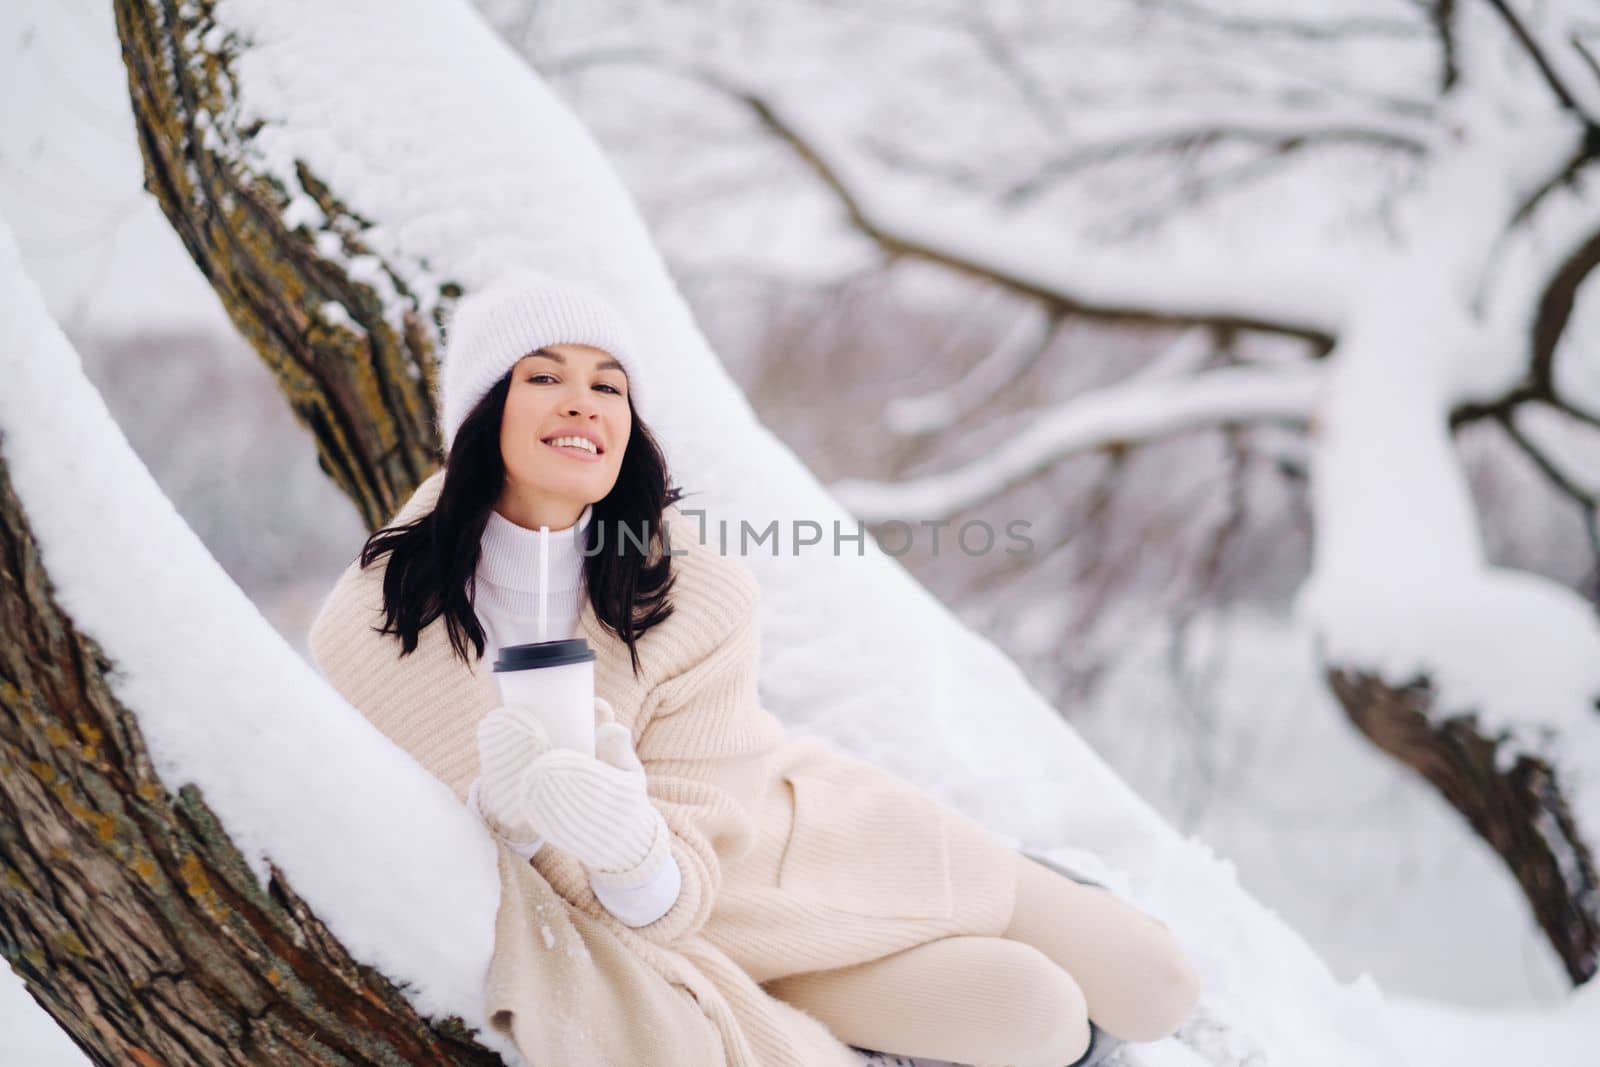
x=543, y=654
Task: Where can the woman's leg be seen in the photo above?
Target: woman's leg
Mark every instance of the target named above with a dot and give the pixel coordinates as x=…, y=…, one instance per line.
x=1137, y=981
x=978, y=1000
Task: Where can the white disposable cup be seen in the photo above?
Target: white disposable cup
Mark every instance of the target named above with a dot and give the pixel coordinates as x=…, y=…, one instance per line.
x=556, y=680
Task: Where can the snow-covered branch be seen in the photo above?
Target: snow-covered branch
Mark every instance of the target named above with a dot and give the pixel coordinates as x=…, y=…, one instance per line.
x=1458, y=317
x=1024, y=342
x=300, y=274
x=1280, y=131
x=1293, y=296
x=189, y=860
x=1415, y=626
x=1117, y=415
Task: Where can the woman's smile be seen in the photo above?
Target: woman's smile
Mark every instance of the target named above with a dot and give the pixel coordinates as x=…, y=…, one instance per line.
x=574, y=451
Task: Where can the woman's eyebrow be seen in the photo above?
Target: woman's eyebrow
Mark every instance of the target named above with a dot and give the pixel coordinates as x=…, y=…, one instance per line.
x=604, y=364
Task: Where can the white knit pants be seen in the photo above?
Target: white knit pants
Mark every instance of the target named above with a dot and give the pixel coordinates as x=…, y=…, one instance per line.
x=1071, y=952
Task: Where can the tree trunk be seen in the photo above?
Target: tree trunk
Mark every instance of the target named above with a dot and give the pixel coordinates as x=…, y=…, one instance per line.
x=361, y=383
x=1519, y=809
x=127, y=911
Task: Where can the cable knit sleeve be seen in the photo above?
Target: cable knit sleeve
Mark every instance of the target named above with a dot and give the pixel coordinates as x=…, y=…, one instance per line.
x=707, y=751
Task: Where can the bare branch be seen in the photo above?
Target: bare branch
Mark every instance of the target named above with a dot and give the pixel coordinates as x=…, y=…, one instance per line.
x=1555, y=309
x=1194, y=189
x=1299, y=29
x=1002, y=51
x=1586, y=501
x=1443, y=16
x=1565, y=177
x=1281, y=133
x=1541, y=61
x=1584, y=54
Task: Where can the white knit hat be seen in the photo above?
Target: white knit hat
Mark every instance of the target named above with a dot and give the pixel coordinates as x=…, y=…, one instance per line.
x=520, y=311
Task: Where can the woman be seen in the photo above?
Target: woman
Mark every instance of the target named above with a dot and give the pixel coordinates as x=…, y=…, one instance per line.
x=779, y=882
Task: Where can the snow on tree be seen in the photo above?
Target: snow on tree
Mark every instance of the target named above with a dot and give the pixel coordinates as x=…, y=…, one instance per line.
x=1454, y=308
x=188, y=876
x=341, y=173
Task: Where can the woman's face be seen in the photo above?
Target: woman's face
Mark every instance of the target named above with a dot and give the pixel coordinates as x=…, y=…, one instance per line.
x=563, y=391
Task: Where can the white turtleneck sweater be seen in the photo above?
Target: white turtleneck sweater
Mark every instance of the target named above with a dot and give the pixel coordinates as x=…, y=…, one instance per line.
x=507, y=605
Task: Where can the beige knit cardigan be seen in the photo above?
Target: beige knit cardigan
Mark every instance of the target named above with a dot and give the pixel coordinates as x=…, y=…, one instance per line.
x=795, y=857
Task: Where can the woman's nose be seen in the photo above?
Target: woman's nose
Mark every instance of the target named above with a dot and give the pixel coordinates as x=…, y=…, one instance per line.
x=581, y=405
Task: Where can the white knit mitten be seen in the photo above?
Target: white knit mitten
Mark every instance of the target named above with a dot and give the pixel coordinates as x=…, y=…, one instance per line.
x=597, y=809
x=510, y=739
x=526, y=849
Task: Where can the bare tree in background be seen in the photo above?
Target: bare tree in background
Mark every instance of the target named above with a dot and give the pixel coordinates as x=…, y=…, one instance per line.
x=1471, y=128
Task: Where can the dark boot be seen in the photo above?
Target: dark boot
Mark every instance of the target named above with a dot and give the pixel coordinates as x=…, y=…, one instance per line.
x=1063, y=869
x=1102, y=1046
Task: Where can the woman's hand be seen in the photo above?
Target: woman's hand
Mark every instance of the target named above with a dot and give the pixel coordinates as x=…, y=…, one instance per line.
x=510, y=739
x=596, y=808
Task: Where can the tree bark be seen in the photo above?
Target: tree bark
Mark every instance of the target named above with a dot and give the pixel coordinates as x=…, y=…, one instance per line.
x=362, y=386
x=1519, y=810
x=127, y=911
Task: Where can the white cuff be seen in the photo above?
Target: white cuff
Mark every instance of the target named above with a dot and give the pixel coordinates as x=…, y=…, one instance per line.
x=526, y=849
x=644, y=904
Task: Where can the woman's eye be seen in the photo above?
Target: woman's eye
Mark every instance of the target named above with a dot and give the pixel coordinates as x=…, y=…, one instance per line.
x=604, y=385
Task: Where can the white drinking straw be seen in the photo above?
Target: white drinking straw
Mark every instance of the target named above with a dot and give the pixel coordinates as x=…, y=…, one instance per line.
x=544, y=574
